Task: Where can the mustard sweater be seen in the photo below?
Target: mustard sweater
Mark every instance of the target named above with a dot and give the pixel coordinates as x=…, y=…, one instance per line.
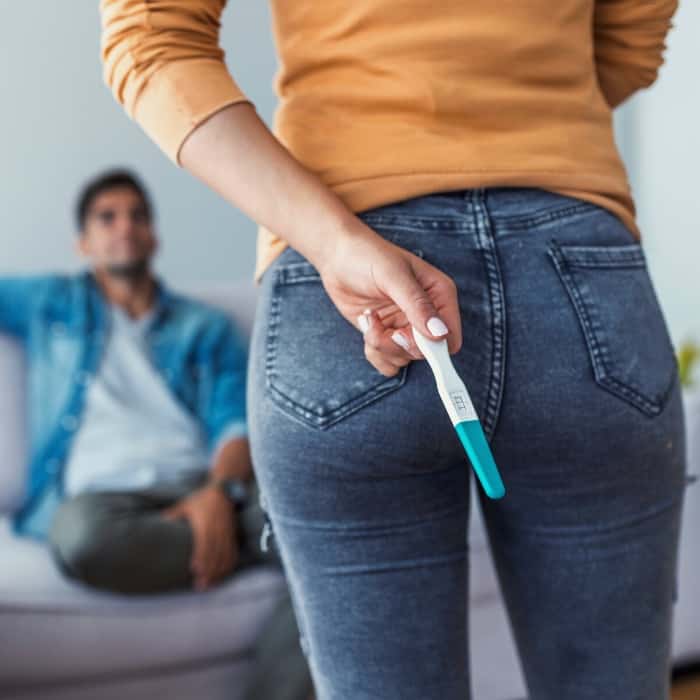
x=390, y=99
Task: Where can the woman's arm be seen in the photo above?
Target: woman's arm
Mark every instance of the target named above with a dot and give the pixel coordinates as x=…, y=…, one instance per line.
x=163, y=63
x=236, y=155
x=629, y=41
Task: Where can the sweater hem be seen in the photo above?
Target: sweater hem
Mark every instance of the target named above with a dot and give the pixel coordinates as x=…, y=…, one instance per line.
x=359, y=194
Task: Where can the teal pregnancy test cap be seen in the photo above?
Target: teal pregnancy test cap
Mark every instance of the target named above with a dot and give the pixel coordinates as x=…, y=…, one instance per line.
x=477, y=448
x=460, y=409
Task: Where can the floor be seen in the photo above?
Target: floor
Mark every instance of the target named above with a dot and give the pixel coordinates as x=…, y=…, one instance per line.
x=686, y=687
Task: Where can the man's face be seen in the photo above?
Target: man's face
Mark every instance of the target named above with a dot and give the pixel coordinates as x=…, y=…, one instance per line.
x=117, y=236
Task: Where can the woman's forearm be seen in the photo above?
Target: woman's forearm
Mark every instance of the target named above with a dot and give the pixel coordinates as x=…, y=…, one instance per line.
x=238, y=156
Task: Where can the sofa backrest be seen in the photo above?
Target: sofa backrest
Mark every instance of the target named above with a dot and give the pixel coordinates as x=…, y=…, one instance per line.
x=238, y=299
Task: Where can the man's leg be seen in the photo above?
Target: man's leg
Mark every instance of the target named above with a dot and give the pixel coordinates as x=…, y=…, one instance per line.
x=251, y=523
x=119, y=541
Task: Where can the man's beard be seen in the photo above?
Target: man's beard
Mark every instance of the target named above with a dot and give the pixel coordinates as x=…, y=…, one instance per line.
x=134, y=270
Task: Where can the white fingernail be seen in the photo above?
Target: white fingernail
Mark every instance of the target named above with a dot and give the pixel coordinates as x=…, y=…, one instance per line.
x=436, y=326
x=399, y=339
x=363, y=323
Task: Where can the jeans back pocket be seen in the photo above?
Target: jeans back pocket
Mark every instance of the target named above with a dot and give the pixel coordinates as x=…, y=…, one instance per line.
x=315, y=367
x=624, y=328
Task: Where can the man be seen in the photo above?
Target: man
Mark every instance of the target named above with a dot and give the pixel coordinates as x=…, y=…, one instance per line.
x=140, y=477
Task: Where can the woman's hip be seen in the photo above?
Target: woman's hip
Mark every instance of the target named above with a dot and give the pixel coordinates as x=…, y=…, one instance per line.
x=564, y=342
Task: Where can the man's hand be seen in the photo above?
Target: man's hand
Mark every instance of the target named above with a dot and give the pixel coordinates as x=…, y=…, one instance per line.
x=213, y=520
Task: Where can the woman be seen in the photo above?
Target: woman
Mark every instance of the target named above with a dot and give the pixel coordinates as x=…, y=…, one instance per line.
x=450, y=166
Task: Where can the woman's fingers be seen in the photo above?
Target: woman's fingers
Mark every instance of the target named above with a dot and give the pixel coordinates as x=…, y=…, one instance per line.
x=413, y=297
x=443, y=292
x=385, y=348
x=386, y=367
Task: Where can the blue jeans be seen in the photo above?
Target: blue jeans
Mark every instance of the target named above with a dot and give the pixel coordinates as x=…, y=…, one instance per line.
x=572, y=372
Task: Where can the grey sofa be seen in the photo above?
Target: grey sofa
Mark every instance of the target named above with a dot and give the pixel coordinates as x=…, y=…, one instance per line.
x=63, y=641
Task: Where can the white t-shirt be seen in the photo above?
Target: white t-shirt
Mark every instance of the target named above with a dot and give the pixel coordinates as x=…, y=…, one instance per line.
x=134, y=432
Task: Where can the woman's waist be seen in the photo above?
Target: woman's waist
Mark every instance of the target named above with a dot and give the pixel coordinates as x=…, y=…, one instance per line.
x=374, y=147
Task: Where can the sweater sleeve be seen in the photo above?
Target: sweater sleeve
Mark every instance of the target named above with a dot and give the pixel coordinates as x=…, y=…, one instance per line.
x=629, y=41
x=162, y=61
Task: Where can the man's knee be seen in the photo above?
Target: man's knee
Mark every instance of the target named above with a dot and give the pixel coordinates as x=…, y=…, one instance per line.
x=77, y=536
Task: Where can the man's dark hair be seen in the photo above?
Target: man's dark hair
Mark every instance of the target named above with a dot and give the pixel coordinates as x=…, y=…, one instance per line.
x=108, y=180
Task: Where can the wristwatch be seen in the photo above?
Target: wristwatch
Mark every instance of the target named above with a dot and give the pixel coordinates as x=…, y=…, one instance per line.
x=236, y=489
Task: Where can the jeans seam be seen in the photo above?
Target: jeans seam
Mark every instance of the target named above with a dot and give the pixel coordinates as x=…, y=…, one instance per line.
x=547, y=216
x=322, y=422
x=487, y=246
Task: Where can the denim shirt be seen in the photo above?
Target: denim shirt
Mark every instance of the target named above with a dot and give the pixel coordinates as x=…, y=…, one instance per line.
x=63, y=322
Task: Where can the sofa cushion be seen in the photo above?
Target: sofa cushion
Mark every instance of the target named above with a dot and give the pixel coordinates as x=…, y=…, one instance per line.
x=12, y=426
x=109, y=633
x=40, y=609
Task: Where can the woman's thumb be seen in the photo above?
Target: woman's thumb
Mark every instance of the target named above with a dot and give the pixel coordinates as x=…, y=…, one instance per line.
x=415, y=302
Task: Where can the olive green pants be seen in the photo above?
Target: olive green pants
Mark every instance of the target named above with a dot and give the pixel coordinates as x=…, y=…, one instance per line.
x=119, y=541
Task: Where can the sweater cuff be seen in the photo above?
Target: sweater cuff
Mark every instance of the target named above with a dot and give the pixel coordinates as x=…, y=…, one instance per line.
x=180, y=96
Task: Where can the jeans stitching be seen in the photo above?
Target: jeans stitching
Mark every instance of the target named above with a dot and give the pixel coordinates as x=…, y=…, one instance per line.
x=596, y=351
x=548, y=216
x=497, y=309
x=330, y=418
x=294, y=273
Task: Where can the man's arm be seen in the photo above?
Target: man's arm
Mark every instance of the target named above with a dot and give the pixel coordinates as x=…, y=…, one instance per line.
x=17, y=297
x=223, y=405
x=629, y=42
x=222, y=411
x=232, y=461
x=212, y=517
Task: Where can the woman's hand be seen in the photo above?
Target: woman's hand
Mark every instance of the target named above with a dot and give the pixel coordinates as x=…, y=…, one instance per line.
x=236, y=154
x=370, y=278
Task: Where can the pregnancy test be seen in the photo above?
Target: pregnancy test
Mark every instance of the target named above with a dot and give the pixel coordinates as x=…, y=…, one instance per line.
x=461, y=411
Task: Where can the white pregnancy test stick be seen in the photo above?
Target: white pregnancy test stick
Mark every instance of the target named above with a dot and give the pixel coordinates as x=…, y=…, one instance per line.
x=461, y=411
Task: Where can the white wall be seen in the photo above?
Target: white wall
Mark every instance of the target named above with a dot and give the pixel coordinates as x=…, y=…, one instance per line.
x=664, y=164
x=60, y=125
